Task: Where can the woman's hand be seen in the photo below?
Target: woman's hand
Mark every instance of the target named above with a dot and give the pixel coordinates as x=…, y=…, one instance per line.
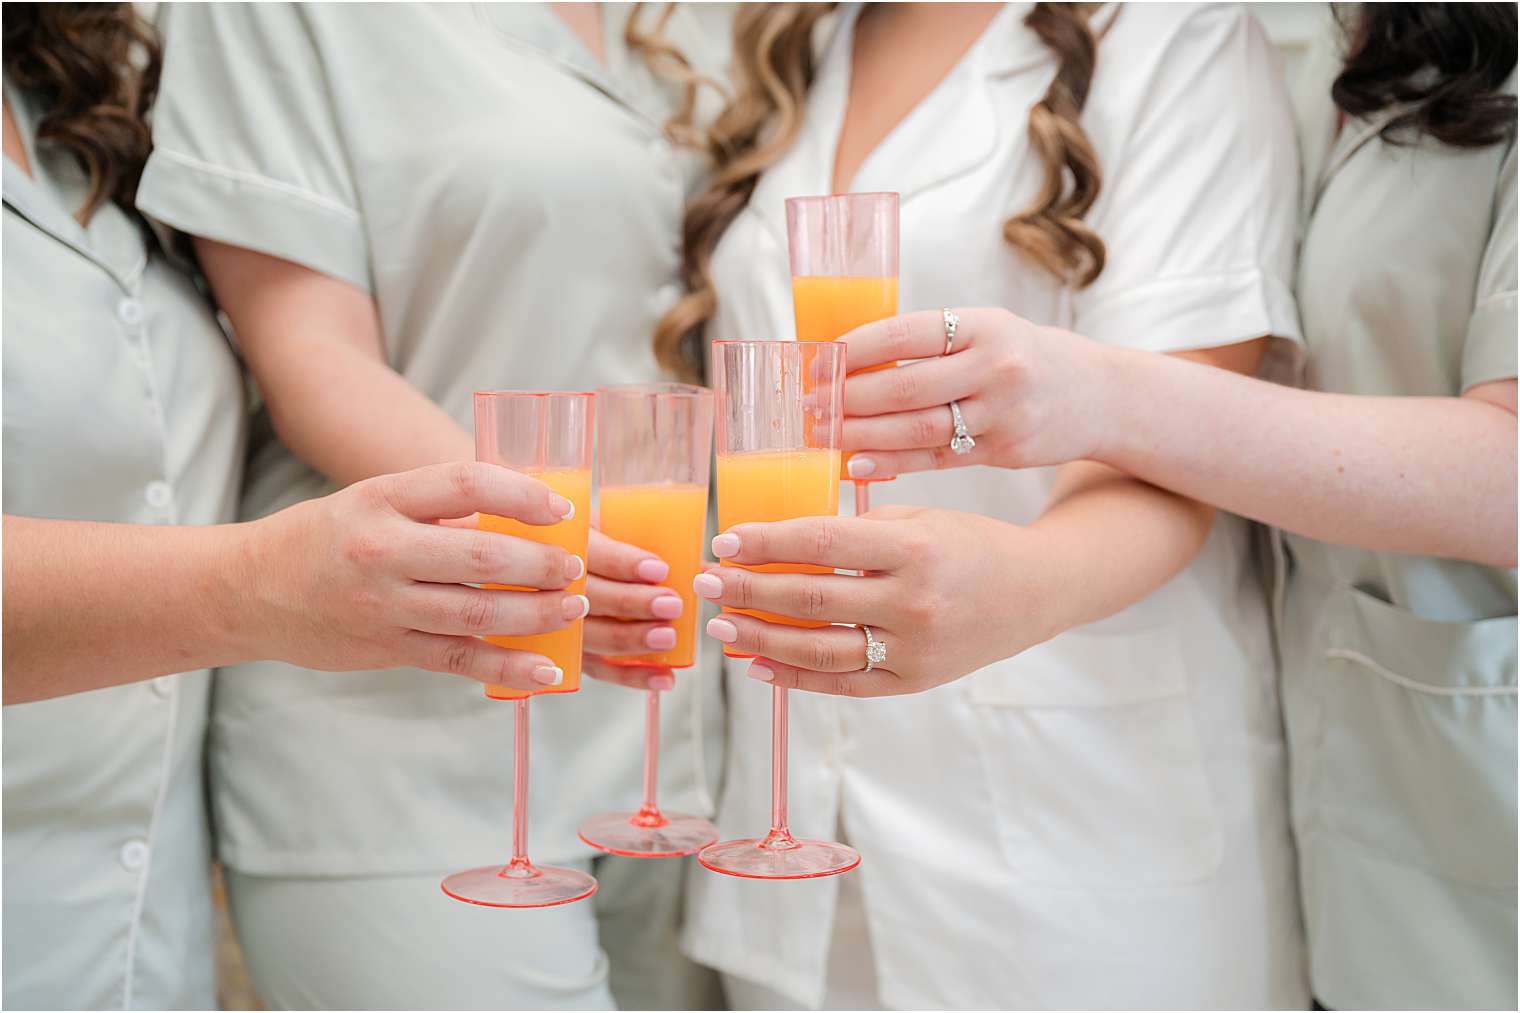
x=630, y=613
x=1029, y=395
x=947, y=593
x=366, y=578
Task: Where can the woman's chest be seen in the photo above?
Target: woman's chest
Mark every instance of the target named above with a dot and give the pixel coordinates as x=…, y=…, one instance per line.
x=451, y=123
x=1389, y=267
x=123, y=401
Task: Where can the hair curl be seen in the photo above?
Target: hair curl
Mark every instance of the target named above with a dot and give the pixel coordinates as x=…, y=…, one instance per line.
x=773, y=69
x=1441, y=65
x=667, y=62
x=95, y=68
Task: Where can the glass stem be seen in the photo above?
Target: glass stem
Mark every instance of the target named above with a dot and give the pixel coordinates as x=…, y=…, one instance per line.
x=780, y=837
x=862, y=497
x=520, y=866
x=649, y=814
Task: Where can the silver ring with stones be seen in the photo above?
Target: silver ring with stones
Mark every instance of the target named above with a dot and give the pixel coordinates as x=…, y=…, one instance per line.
x=876, y=651
x=961, y=442
x=952, y=323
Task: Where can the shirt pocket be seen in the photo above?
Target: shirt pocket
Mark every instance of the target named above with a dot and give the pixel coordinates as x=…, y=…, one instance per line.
x=1415, y=756
x=1093, y=763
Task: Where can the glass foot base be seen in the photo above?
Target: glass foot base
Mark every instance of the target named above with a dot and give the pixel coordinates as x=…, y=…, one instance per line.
x=534, y=886
x=752, y=859
x=619, y=834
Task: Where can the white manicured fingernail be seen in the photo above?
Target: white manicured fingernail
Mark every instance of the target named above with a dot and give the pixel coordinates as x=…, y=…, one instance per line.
x=652, y=570
x=575, y=568
x=708, y=586
x=561, y=507
x=762, y=672
x=722, y=630
x=548, y=675
x=860, y=467
x=725, y=545
x=577, y=606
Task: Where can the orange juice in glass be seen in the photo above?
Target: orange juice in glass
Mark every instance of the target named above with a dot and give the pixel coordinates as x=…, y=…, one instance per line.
x=654, y=455
x=778, y=439
x=547, y=435
x=844, y=258
x=561, y=646
x=777, y=485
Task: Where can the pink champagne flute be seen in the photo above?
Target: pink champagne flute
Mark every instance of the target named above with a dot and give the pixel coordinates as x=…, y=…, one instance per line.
x=780, y=410
x=652, y=469
x=548, y=435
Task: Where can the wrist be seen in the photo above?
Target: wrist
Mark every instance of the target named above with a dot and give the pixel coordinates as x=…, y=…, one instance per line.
x=238, y=598
x=1117, y=376
x=1031, y=571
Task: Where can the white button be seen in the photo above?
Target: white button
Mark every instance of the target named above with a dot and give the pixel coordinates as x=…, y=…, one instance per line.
x=134, y=854
x=130, y=311
x=158, y=495
x=162, y=685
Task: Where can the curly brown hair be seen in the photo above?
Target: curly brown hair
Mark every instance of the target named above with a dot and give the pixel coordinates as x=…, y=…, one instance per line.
x=773, y=69
x=95, y=68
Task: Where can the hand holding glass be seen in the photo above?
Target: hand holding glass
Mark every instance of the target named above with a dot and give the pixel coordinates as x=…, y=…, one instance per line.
x=780, y=406
x=547, y=435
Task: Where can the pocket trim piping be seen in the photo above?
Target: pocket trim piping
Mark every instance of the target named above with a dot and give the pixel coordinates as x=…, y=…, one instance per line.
x=1346, y=654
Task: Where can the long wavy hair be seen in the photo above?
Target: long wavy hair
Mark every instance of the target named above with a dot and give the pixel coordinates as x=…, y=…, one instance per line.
x=1442, y=65
x=772, y=70
x=669, y=64
x=95, y=69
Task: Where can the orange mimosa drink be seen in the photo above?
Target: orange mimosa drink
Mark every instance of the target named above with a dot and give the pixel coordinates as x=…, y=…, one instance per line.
x=827, y=308
x=669, y=520
x=563, y=646
x=777, y=485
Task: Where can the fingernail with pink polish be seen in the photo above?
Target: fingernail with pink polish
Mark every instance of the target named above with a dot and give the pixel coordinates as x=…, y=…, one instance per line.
x=661, y=638
x=762, y=672
x=722, y=630
x=707, y=585
x=576, y=606
x=860, y=467
x=561, y=507
x=662, y=683
x=652, y=570
x=725, y=545
x=547, y=675
x=666, y=606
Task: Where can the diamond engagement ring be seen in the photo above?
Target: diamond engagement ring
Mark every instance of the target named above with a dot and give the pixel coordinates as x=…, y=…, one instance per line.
x=876, y=651
x=961, y=442
x=951, y=323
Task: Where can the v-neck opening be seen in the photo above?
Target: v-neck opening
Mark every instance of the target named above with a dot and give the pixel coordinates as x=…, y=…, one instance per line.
x=603, y=67
x=18, y=113
x=846, y=40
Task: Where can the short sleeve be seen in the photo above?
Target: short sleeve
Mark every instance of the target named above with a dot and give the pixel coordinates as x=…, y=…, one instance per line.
x=1493, y=334
x=246, y=145
x=1198, y=208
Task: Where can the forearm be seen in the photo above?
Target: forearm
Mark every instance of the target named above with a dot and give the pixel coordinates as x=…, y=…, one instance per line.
x=315, y=346
x=350, y=416
x=1428, y=476
x=1108, y=540
x=89, y=605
